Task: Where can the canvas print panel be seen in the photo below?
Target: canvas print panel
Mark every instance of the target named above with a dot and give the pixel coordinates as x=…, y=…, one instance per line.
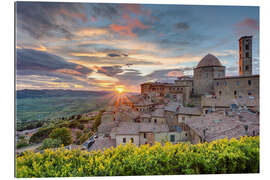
x=136, y=89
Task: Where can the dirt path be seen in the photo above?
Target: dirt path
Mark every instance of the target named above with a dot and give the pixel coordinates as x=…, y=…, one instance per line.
x=32, y=147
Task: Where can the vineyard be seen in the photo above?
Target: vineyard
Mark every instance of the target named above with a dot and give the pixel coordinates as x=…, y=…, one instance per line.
x=222, y=156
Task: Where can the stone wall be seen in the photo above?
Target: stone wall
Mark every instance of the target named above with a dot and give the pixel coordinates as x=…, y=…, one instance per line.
x=119, y=139
x=203, y=79
x=237, y=87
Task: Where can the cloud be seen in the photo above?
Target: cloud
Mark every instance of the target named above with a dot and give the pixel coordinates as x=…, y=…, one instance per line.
x=35, y=61
x=90, y=31
x=247, y=26
x=130, y=25
x=109, y=70
x=182, y=26
x=75, y=15
x=43, y=19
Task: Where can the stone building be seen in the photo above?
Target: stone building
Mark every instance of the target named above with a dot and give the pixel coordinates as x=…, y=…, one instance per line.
x=175, y=91
x=209, y=79
x=245, y=55
x=206, y=71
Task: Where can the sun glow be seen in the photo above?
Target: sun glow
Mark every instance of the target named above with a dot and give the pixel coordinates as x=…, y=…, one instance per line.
x=120, y=90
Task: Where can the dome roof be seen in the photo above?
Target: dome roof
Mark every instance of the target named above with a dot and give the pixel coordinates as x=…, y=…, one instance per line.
x=209, y=60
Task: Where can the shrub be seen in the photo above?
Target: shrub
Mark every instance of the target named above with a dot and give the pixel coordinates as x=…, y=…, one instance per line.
x=222, y=156
x=51, y=143
x=83, y=138
x=40, y=135
x=97, y=121
x=22, y=143
x=78, y=134
x=74, y=124
x=64, y=134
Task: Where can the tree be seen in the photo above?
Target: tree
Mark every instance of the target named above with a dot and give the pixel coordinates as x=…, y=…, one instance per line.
x=97, y=121
x=64, y=134
x=51, y=143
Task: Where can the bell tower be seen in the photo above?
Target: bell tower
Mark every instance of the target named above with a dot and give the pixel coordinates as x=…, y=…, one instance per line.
x=245, y=55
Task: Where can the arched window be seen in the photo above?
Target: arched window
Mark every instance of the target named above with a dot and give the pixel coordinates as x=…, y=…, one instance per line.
x=235, y=93
x=132, y=140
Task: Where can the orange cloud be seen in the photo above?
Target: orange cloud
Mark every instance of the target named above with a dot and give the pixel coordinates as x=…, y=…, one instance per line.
x=74, y=14
x=69, y=71
x=131, y=23
x=247, y=26
x=175, y=73
x=91, y=32
x=96, y=54
x=135, y=9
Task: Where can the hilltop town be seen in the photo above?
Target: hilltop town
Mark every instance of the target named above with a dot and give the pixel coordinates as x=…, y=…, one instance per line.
x=202, y=108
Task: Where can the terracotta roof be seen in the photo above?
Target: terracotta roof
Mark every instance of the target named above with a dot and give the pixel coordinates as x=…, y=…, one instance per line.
x=220, y=126
x=158, y=113
x=172, y=106
x=136, y=128
x=106, y=127
x=189, y=111
x=209, y=60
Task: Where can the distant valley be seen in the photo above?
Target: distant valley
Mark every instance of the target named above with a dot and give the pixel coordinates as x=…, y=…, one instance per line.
x=35, y=105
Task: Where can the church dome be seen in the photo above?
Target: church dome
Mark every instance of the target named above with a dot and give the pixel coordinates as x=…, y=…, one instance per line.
x=209, y=60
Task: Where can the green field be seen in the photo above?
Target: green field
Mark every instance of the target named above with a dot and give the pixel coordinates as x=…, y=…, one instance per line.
x=31, y=109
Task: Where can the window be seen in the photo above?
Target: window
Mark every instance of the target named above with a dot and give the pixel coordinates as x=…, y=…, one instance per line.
x=220, y=93
x=149, y=120
x=246, y=67
x=247, y=46
x=225, y=83
x=247, y=54
x=249, y=82
x=144, y=135
x=183, y=118
x=217, y=83
x=249, y=93
x=155, y=121
x=237, y=83
x=124, y=140
x=132, y=140
x=235, y=93
x=172, y=137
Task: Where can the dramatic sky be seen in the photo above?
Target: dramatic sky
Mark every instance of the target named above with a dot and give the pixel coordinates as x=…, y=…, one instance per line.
x=87, y=46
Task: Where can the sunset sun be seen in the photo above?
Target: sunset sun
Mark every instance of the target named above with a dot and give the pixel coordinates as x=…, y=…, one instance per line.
x=119, y=90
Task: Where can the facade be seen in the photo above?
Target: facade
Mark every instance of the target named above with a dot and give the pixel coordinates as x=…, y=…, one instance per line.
x=237, y=87
x=245, y=55
x=206, y=71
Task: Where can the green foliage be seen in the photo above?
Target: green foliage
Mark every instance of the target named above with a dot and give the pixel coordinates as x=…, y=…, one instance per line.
x=74, y=124
x=190, y=105
x=64, y=134
x=78, y=134
x=51, y=143
x=97, y=120
x=22, y=143
x=40, y=135
x=83, y=138
x=217, y=157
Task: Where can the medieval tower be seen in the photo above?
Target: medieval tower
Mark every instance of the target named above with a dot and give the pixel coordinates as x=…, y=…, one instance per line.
x=245, y=55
